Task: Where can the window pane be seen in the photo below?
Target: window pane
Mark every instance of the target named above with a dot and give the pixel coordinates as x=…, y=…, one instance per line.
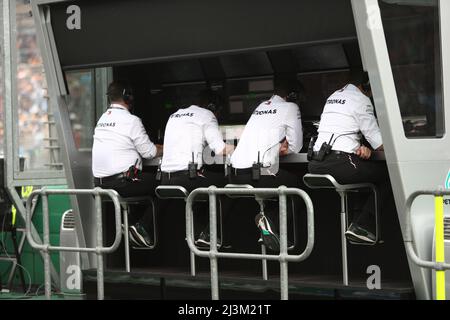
x=413, y=41
x=37, y=132
x=325, y=57
x=81, y=107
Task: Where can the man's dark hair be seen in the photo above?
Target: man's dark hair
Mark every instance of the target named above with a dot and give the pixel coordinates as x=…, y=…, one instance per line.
x=359, y=77
x=119, y=90
x=285, y=85
x=210, y=100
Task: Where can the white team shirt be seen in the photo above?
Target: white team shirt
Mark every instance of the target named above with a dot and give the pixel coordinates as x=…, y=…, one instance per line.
x=348, y=111
x=119, y=140
x=188, y=131
x=272, y=121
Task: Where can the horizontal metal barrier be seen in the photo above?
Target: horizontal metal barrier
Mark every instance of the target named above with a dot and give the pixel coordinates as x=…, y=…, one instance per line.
x=283, y=257
x=99, y=250
x=439, y=265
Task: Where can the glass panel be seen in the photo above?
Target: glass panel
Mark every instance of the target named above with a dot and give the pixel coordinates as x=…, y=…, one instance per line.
x=248, y=64
x=413, y=41
x=81, y=105
x=244, y=95
x=182, y=71
x=36, y=127
x=319, y=58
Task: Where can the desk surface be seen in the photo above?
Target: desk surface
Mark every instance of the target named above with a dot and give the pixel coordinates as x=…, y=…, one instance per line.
x=291, y=158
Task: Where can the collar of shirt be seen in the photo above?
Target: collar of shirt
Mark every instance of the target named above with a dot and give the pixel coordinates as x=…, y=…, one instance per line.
x=118, y=106
x=192, y=106
x=352, y=87
x=277, y=98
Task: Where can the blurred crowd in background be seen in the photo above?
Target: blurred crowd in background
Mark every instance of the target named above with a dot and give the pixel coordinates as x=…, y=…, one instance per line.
x=32, y=93
x=36, y=130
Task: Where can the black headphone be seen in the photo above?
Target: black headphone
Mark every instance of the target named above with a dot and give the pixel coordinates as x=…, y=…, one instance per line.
x=212, y=107
x=365, y=82
x=292, y=96
x=127, y=95
x=288, y=86
x=366, y=86
x=126, y=92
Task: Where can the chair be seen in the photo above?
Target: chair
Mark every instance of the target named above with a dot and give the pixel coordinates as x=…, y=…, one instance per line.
x=126, y=203
x=326, y=181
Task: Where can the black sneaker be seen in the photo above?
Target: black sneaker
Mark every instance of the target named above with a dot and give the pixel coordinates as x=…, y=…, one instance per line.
x=141, y=235
x=132, y=239
x=203, y=241
x=269, y=238
x=356, y=233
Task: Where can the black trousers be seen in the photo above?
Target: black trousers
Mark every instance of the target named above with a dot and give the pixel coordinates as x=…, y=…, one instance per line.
x=208, y=178
x=145, y=186
x=282, y=177
x=215, y=178
x=349, y=168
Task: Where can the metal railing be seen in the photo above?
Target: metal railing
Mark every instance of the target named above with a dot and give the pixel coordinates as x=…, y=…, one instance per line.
x=439, y=265
x=21, y=245
x=99, y=250
x=283, y=257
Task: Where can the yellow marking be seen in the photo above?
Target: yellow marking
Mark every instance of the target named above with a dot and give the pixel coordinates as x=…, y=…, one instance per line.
x=25, y=193
x=439, y=227
x=13, y=218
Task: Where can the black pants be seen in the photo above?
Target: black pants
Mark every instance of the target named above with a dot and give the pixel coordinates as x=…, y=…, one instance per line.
x=283, y=177
x=145, y=186
x=349, y=168
x=205, y=180
x=208, y=178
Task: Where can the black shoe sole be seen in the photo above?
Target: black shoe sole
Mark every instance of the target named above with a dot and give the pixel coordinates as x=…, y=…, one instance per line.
x=202, y=244
x=354, y=238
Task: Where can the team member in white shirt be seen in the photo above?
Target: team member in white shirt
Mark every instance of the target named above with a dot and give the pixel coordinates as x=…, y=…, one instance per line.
x=274, y=129
x=349, y=112
x=189, y=131
x=120, y=142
